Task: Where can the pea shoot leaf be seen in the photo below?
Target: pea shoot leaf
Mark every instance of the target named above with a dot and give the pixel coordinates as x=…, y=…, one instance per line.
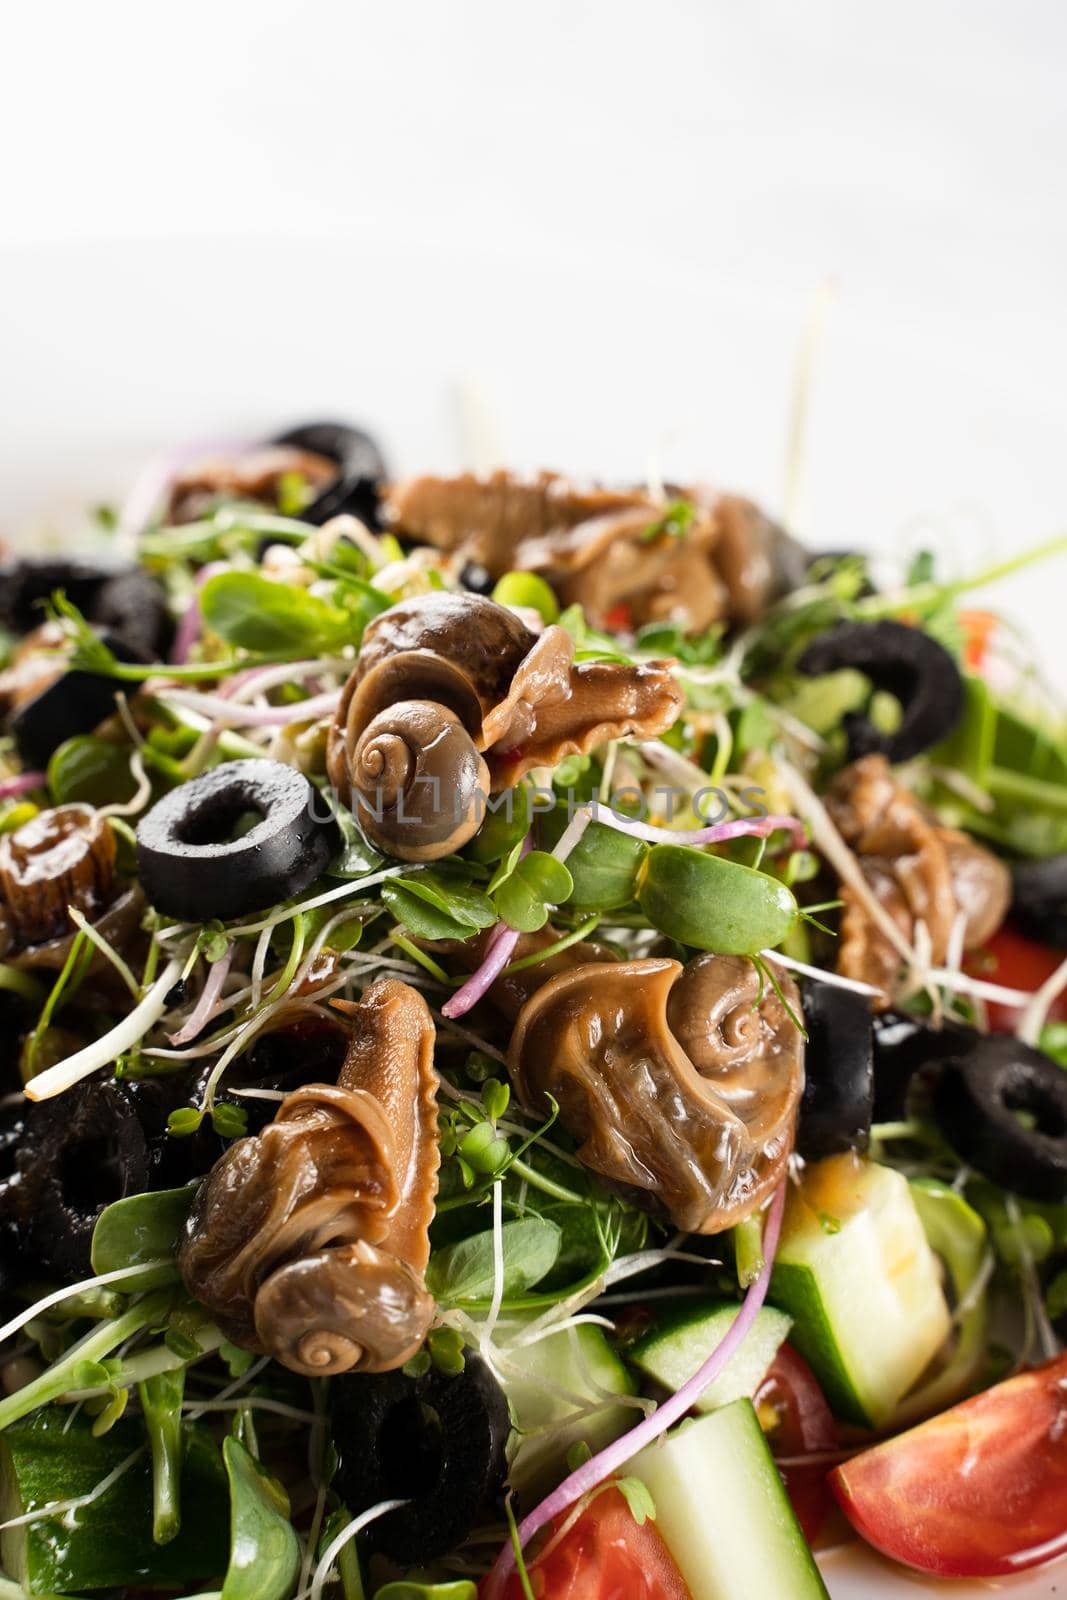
x=435, y=907
x=463, y=1272
x=254, y=613
x=264, y=1549
x=525, y=886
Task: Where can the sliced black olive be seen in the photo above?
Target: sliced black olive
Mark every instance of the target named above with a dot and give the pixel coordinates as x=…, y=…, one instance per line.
x=132, y=606
x=361, y=470
x=907, y=663
x=835, y=1113
x=191, y=866
x=118, y=596
x=75, y=702
x=26, y=584
x=75, y=1155
x=435, y=1441
x=903, y=1046
x=1039, y=899
x=1003, y=1107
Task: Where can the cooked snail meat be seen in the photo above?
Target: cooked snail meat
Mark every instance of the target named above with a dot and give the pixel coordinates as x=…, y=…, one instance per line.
x=193, y=868
x=309, y=1240
x=454, y=699
x=672, y=1079
x=62, y=857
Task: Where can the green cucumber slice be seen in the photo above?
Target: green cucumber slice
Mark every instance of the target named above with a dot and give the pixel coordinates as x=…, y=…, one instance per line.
x=683, y=1338
x=109, y=1545
x=855, y=1271
x=560, y=1391
x=723, y=1512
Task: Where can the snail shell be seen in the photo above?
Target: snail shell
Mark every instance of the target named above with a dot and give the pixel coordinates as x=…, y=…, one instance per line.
x=415, y=780
x=309, y=1312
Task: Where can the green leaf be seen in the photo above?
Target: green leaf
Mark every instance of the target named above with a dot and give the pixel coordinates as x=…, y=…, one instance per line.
x=526, y=886
x=638, y=1497
x=434, y=908
x=91, y=770
x=507, y=822
x=356, y=857
x=675, y=522
x=143, y=1227
x=264, y=1549
x=161, y=1399
x=404, y=1589
x=603, y=864
x=108, y=1545
x=463, y=1272
x=255, y=613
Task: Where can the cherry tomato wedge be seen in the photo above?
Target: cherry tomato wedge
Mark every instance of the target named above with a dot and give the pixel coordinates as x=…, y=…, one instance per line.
x=619, y=618
x=604, y=1555
x=791, y=1402
x=978, y=628
x=977, y=1492
x=1016, y=962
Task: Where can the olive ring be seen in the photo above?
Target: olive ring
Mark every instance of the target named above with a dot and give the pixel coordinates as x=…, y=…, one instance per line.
x=442, y=1437
x=978, y=1098
x=191, y=867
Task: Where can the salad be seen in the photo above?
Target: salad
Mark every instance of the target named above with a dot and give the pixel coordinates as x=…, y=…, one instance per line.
x=536, y=1024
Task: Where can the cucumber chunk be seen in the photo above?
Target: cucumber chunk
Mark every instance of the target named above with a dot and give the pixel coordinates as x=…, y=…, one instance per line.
x=723, y=1512
x=684, y=1338
x=857, y=1275
x=109, y=1544
x=560, y=1391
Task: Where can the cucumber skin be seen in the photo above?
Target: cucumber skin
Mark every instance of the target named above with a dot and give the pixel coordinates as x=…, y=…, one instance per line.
x=743, y=1459
x=678, y=1324
x=793, y=1290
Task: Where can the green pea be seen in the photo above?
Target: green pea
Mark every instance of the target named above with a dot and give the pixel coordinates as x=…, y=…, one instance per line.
x=603, y=864
x=527, y=589
x=713, y=904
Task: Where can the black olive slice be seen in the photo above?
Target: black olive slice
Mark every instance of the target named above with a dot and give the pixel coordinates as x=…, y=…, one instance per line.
x=74, y=1156
x=74, y=702
x=907, y=663
x=191, y=867
x=835, y=1113
x=437, y=1442
x=361, y=470
x=26, y=583
x=903, y=1046
x=981, y=1098
x=1039, y=899
x=132, y=606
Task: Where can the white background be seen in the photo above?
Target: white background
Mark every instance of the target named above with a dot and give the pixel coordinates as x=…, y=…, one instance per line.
x=608, y=220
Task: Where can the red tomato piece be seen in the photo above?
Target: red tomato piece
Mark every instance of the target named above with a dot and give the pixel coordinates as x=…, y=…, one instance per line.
x=619, y=618
x=977, y=1492
x=802, y=1425
x=1016, y=962
x=604, y=1555
x=978, y=628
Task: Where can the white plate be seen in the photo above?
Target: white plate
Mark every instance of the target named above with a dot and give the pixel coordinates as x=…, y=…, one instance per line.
x=856, y=1573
